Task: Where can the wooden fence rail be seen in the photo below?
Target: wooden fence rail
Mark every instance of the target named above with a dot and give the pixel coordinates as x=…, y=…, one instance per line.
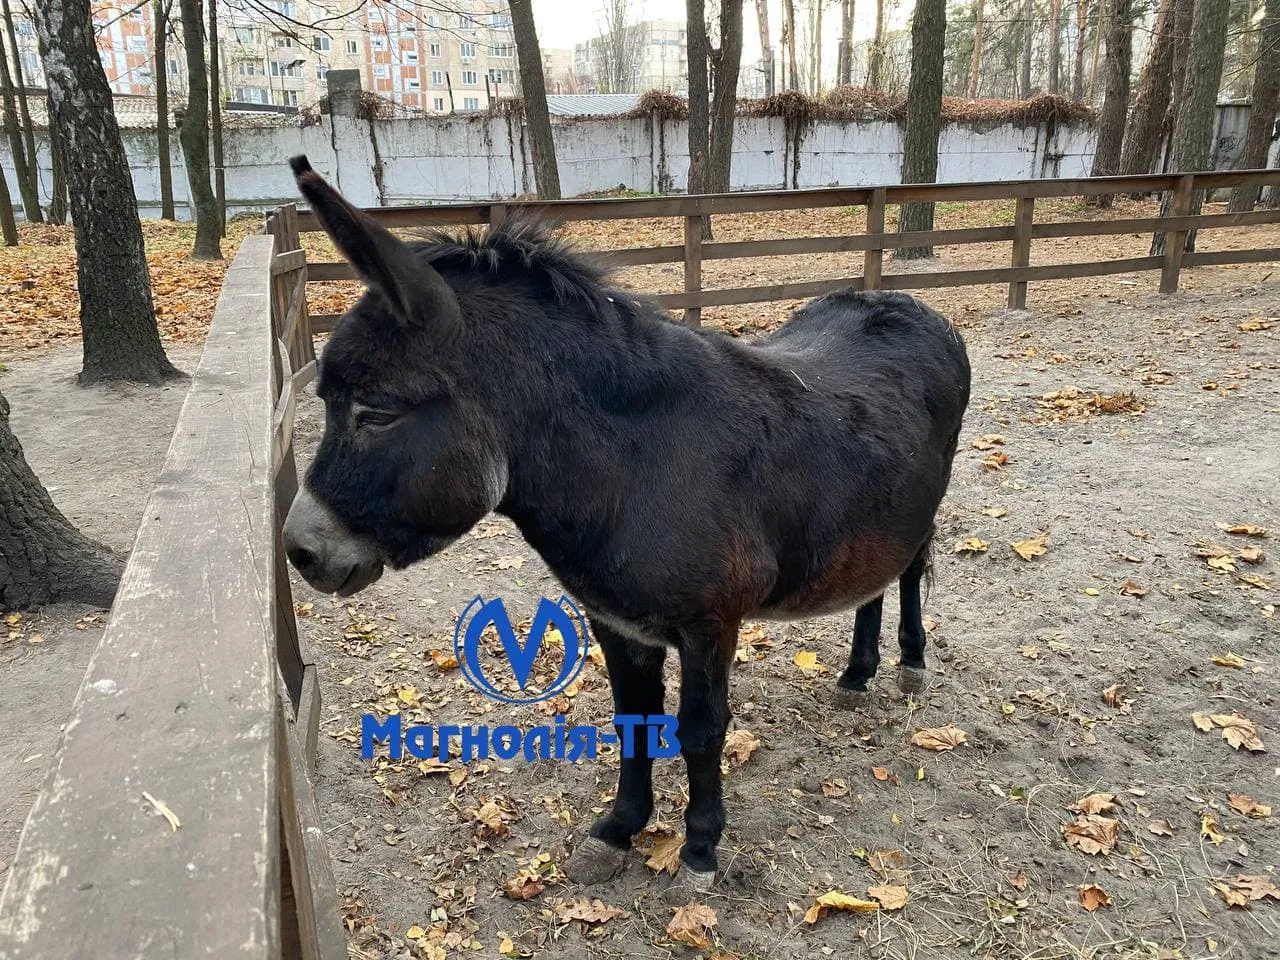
x=178, y=818
x=693, y=252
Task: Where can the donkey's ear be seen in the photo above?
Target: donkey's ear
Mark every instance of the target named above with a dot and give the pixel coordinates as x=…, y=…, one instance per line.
x=414, y=291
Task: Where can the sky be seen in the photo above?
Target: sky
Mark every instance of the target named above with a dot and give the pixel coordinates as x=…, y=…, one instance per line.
x=562, y=23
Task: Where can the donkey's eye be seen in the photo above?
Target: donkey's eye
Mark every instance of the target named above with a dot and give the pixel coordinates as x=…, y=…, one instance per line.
x=368, y=417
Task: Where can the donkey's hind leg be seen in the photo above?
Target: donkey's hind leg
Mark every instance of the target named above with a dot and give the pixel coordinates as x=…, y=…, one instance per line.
x=851, y=689
x=911, y=673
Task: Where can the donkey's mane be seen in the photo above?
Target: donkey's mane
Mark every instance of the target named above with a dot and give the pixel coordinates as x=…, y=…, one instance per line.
x=523, y=244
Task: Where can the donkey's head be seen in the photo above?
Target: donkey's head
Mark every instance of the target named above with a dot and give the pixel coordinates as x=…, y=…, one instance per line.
x=409, y=460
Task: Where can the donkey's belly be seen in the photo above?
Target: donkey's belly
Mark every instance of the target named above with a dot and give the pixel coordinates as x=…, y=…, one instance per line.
x=856, y=571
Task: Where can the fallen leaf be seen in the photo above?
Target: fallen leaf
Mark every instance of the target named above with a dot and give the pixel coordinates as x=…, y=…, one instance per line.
x=880, y=773
x=808, y=660
x=509, y=563
x=835, y=787
x=1092, y=834
x=665, y=853
x=971, y=546
x=884, y=863
x=1226, y=564
x=1017, y=880
x=1244, y=530
x=891, y=896
x=691, y=924
x=1093, y=896
x=588, y=911
x=1202, y=722
x=995, y=461
x=939, y=738
x=1035, y=547
x=1253, y=580
x=1161, y=828
x=989, y=441
x=1131, y=588
x=1256, y=886
x=415, y=933
x=1239, y=731
x=445, y=660
x=1030, y=651
x=164, y=811
x=1116, y=696
x=740, y=745
x=996, y=512
x=1248, y=806
x=492, y=819
x=1255, y=324
x=835, y=900
x=1209, y=828
x=525, y=885
x=1252, y=555
x=1096, y=803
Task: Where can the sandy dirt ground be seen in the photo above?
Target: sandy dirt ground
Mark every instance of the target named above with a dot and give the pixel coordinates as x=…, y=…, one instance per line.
x=1072, y=674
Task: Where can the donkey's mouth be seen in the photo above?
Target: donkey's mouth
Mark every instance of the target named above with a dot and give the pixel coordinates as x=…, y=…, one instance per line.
x=361, y=577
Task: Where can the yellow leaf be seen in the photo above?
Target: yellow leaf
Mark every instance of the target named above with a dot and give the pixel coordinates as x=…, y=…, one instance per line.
x=1209, y=829
x=1229, y=660
x=1091, y=591
x=808, y=660
x=891, y=897
x=1227, y=564
x=1035, y=547
x=415, y=933
x=996, y=512
x=1093, y=896
x=939, y=738
x=444, y=660
x=971, y=546
x=835, y=900
x=1244, y=530
x=1239, y=731
x=1202, y=722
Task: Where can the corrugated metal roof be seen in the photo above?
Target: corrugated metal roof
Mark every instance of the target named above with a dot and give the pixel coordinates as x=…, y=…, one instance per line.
x=590, y=104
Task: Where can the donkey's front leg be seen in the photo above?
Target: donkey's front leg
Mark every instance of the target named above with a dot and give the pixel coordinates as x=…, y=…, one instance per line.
x=635, y=674
x=706, y=656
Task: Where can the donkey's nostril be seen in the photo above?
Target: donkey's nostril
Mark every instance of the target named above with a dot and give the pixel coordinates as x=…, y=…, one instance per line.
x=303, y=560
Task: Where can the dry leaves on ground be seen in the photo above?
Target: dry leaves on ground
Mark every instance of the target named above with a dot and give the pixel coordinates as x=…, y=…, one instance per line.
x=1160, y=828
x=835, y=900
x=1096, y=803
x=1029, y=549
x=1247, y=889
x=740, y=745
x=939, y=738
x=1092, y=833
x=692, y=924
x=588, y=911
x=665, y=853
x=971, y=546
x=1093, y=896
x=808, y=660
x=1248, y=806
x=891, y=896
x=1237, y=730
x=525, y=885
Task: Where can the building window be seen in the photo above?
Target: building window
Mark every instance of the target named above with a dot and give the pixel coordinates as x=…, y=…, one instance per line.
x=502, y=50
x=248, y=68
x=409, y=29
x=433, y=50
x=136, y=44
x=431, y=20
x=380, y=71
x=411, y=57
x=282, y=41
x=320, y=43
x=437, y=103
x=413, y=83
x=468, y=22
x=286, y=98
x=175, y=68
x=287, y=7
x=470, y=103
x=470, y=78
x=374, y=13
x=379, y=43
x=499, y=21
x=437, y=78
x=353, y=47
x=250, y=94
x=322, y=71
x=246, y=35
x=281, y=69
x=468, y=50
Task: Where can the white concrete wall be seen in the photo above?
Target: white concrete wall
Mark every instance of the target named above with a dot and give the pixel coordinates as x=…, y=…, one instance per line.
x=482, y=157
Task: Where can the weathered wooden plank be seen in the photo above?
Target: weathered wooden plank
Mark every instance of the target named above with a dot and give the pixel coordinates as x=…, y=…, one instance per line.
x=873, y=259
x=330, y=270
x=179, y=700
x=1204, y=221
x=287, y=262
x=315, y=895
x=692, y=266
x=774, y=291
x=324, y=322
x=309, y=705
x=1175, y=240
x=1023, y=218
x=1213, y=258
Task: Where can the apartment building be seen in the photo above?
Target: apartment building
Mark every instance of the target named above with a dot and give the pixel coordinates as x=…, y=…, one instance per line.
x=659, y=60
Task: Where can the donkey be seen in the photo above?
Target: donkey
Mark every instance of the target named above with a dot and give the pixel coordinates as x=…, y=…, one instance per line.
x=675, y=480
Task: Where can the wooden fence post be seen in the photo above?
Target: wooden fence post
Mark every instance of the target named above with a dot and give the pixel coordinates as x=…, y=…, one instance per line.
x=873, y=260
x=1176, y=240
x=693, y=266
x=1024, y=216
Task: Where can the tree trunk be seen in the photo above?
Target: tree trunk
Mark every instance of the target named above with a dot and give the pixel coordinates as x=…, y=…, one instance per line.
x=1055, y=47
x=924, y=116
x=1028, y=33
x=43, y=558
x=975, y=65
x=24, y=113
x=58, y=203
x=1097, y=48
x=215, y=120
x=1115, y=102
x=788, y=41
x=1266, y=92
x=1077, y=74
x=194, y=135
x=817, y=47
x=545, y=171
x=1155, y=88
x=846, y=43
x=724, y=105
x=699, y=107
x=164, y=160
x=21, y=167
x=1184, y=11
x=8, y=226
x=116, y=316
x=1193, y=126
x=875, y=65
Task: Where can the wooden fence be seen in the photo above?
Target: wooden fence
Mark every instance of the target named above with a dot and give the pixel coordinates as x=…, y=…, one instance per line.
x=873, y=243
x=179, y=818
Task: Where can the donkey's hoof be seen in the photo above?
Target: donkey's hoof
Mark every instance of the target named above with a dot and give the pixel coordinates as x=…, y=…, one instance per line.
x=689, y=885
x=595, y=861
x=912, y=679
x=846, y=699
